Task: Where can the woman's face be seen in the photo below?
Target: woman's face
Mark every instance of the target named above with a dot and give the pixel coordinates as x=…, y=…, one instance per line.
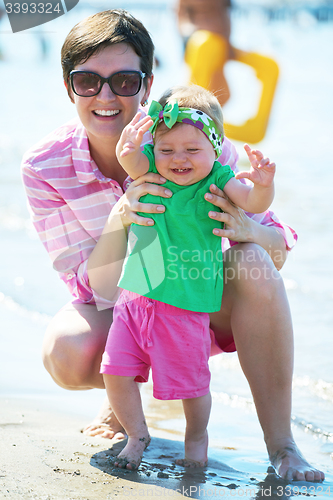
x=106, y=114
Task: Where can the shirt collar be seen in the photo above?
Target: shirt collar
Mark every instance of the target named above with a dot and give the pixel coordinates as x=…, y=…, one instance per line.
x=84, y=166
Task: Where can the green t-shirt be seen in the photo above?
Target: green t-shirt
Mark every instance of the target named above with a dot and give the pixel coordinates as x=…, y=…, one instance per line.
x=179, y=260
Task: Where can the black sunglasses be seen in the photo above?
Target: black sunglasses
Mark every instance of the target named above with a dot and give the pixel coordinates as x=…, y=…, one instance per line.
x=122, y=83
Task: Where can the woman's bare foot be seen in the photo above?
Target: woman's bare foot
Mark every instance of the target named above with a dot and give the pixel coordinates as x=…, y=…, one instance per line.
x=291, y=465
x=130, y=457
x=106, y=424
x=195, y=452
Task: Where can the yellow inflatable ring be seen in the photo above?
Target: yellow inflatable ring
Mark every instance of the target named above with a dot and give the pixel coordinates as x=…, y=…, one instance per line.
x=206, y=53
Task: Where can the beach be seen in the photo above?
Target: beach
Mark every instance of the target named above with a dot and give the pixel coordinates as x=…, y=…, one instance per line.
x=43, y=454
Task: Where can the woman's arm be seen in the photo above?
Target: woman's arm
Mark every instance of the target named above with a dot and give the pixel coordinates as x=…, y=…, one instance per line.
x=241, y=228
x=106, y=260
x=240, y=224
x=62, y=234
x=72, y=249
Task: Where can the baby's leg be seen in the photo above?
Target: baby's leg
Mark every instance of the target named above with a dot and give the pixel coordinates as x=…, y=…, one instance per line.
x=197, y=411
x=125, y=400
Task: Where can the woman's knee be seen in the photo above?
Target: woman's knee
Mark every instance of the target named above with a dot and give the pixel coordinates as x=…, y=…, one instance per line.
x=249, y=269
x=67, y=359
x=72, y=349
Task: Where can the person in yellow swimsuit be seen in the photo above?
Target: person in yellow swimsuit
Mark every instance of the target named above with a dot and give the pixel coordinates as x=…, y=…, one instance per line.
x=205, y=28
x=213, y=16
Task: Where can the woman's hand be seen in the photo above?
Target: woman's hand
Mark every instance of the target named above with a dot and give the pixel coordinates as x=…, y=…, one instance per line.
x=128, y=205
x=241, y=228
x=237, y=225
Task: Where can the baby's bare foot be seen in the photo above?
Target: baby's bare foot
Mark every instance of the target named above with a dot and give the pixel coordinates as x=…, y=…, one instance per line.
x=105, y=425
x=195, y=452
x=291, y=465
x=130, y=457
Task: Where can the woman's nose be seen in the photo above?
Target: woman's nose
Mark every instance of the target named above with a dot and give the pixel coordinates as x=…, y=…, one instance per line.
x=106, y=93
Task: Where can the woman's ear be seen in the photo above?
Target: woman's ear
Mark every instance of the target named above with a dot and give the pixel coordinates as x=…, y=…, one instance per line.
x=148, y=89
x=69, y=91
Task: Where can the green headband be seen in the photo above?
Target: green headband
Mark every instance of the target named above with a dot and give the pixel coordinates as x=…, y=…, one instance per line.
x=171, y=114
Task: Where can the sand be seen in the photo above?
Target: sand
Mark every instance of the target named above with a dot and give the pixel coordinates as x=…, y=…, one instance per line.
x=44, y=456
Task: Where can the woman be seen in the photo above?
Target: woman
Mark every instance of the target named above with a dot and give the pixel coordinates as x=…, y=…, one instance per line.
x=76, y=186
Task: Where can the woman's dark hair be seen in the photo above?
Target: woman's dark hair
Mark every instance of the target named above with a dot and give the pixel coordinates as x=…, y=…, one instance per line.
x=100, y=30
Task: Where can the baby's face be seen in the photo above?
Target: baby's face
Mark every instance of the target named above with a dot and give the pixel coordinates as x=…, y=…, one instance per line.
x=183, y=155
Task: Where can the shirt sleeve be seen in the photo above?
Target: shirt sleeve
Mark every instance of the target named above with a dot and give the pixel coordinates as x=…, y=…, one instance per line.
x=64, y=238
x=148, y=150
x=223, y=175
x=230, y=157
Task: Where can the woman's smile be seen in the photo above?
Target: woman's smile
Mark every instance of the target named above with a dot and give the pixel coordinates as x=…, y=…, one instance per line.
x=106, y=112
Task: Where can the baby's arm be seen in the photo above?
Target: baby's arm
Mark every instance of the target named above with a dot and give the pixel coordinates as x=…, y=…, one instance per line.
x=128, y=151
x=256, y=198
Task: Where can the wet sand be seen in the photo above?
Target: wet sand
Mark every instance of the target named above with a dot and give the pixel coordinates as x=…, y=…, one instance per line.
x=47, y=457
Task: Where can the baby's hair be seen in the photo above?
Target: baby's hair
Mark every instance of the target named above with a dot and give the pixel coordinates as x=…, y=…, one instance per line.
x=193, y=96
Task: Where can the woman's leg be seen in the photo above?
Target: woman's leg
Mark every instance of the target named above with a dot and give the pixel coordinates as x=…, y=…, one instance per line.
x=197, y=411
x=72, y=351
x=255, y=310
x=125, y=399
x=74, y=344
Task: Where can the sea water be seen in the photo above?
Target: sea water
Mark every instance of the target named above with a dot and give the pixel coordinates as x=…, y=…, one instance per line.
x=33, y=102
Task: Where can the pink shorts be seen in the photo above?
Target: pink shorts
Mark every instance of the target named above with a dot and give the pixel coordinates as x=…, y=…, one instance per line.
x=174, y=342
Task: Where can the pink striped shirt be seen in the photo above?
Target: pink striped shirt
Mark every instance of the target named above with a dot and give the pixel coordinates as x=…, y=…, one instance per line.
x=70, y=201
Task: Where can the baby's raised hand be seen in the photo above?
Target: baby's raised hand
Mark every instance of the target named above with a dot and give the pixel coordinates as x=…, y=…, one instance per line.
x=262, y=171
x=131, y=137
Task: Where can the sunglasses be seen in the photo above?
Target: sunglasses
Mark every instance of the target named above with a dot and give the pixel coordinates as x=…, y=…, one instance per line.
x=122, y=83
